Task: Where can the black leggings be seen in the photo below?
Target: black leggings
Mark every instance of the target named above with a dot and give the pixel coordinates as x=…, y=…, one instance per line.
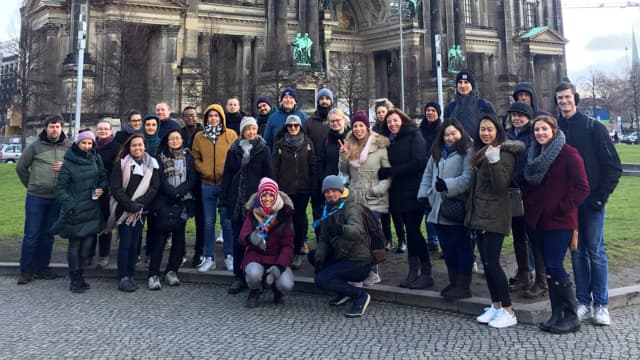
x=78, y=252
x=416, y=243
x=490, y=246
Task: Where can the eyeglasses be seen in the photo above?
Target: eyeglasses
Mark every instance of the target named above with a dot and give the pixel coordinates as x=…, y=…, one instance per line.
x=293, y=125
x=174, y=138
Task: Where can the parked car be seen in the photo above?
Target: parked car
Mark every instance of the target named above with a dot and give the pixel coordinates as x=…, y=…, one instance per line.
x=10, y=153
x=631, y=138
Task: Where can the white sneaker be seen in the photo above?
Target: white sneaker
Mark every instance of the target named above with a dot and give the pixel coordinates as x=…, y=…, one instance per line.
x=584, y=312
x=601, y=316
x=220, y=239
x=488, y=315
x=103, y=262
x=373, y=278
x=209, y=264
x=474, y=268
x=171, y=278
x=154, y=283
x=228, y=262
x=357, y=284
x=503, y=319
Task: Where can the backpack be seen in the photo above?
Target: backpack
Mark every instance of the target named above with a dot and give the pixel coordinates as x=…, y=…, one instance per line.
x=377, y=240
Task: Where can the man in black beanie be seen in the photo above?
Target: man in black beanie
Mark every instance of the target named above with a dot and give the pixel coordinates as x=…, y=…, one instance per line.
x=264, y=108
x=467, y=105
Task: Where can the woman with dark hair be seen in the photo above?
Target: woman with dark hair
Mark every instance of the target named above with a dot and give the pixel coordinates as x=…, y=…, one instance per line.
x=171, y=207
x=557, y=186
x=408, y=158
x=134, y=184
x=448, y=176
x=133, y=125
x=430, y=129
x=150, y=128
x=489, y=212
x=80, y=183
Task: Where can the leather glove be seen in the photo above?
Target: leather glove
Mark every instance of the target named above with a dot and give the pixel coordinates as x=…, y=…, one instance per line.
x=493, y=155
x=596, y=205
x=440, y=185
x=223, y=212
x=424, y=203
x=179, y=196
x=335, y=229
x=135, y=207
x=384, y=173
x=257, y=240
x=273, y=274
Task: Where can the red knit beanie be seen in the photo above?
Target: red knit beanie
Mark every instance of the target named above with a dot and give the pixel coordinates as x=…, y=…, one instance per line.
x=361, y=117
x=268, y=185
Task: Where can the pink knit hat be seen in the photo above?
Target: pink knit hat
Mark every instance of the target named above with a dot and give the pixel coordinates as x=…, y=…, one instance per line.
x=87, y=134
x=268, y=185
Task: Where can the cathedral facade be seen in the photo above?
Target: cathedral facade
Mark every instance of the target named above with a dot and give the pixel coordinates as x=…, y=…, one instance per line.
x=195, y=52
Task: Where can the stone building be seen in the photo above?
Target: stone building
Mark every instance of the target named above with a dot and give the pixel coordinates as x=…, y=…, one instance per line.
x=190, y=52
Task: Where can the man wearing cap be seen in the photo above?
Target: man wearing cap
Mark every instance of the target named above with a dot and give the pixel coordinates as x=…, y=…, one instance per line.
x=166, y=123
x=288, y=106
x=467, y=105
x=264, y=109
x=343, y=254
x=37, y=169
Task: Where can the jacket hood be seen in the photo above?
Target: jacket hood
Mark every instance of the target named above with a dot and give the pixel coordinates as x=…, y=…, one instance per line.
x=217, y=108
x=527, y=87
x=43, y=137
x=254, y=197
x=512, y=146
x=379, y=141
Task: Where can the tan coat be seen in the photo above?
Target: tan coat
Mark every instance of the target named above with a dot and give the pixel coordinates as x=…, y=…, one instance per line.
x=364, y=185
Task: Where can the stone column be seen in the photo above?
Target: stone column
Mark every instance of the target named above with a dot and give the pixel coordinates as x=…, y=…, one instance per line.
x=313, y=28
x=246, y=74
x=283, y=55
x=164, y=69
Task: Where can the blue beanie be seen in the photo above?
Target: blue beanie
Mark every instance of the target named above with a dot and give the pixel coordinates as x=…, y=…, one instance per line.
x=324, y=92
x=289, y=91
x=332, y=182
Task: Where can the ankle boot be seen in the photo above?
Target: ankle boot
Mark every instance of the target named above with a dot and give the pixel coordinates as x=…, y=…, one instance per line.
x=253, y=298
x=278, y=296
x=569, y=321
x=75, y=283
x=523, y=282
x=462, y=290
x=539, y=287
x=556, y=306
x=85, y=285
x=453, y=274
x=414, y=265
x=424, y=280
x=521, y=250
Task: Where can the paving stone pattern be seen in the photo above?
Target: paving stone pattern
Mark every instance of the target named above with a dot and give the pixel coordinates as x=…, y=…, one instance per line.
x=43, y=320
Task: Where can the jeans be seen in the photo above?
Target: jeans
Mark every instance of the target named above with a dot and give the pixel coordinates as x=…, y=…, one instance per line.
x=40, y=215
x=198, y=247
x=210, y=195
x=159, y=240
x=490, y=246
x=553, y=245
x=590, y=265
x=456, y=247
x=432, y=234
x=335, y=277
x=78, y=252
x=130, y=238
x=300, y=220
x=255, y=275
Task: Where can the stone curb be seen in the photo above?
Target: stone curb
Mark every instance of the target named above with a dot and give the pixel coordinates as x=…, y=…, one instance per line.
x=527, y=313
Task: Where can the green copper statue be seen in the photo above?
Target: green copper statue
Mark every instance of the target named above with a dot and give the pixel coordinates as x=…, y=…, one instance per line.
x=455, y=58
x=302, y=49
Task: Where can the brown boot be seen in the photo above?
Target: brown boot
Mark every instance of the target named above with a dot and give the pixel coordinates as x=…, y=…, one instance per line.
x=253, y=298
x=539, y=287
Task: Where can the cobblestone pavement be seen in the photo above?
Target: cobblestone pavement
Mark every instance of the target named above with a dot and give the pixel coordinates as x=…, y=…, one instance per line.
x=43, y=320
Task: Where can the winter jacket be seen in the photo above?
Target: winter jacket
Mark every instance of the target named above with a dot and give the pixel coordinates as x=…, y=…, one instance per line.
x=553, y=204
x=408, y=158
x=209, y=158
x=262, y=121
x=108, y=153
x=276, y=121
x=167, y=193
x=125, y=132
x=468, y=109
x=123, y=196
x=81, y=173
x=429, y=132
x=279, y=250
x=188, y=140
x=525, y=135
x=365, y=187
x=489, y=205
x=353, y=244
x=528, y=88
x=329, y=154
x=233, y=120
x=456, y=171
x=295, y=170
x=34, y=168
x=316, y=128
x=601, y=160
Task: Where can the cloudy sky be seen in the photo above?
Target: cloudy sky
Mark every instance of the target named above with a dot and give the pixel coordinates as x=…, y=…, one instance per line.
x=597, y=37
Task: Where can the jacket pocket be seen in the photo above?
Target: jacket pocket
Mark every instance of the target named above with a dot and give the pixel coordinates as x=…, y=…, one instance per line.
x=486, y=206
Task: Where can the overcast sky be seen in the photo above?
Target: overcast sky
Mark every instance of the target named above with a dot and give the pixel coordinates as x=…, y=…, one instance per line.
x=597, y=37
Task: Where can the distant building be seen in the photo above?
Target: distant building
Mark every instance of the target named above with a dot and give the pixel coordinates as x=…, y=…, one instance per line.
x=190, y=52
x=8, y=86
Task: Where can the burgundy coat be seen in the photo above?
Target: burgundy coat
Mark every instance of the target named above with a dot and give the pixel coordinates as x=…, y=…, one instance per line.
x=553, y=205
x=279, y=250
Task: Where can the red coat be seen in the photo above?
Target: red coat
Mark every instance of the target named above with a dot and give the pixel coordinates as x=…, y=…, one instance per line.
x=279, y=250
x=553, y=205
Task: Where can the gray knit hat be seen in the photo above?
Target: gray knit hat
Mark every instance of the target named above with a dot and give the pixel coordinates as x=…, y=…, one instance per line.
x=332, y=182
x=293, y=119
x=246, y=121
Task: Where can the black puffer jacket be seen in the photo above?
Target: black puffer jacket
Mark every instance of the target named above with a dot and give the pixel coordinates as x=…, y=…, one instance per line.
x=329, y=154
x=408, y=158
x=295, y=169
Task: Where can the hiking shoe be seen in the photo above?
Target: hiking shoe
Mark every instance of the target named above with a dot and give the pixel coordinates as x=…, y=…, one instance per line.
x=45, y=274
x=154, y=283
x=103, y=262
x=601, y=316
x=25, y=277
x=228, y=262
x=237, y=286
x=197, y=261
x=357, y=284
x=373, y=278
x=126, y=285
x=503, y=319
x=220, y=239
x=209, y=264
x=536, y=290
x=359, y=306
x=339, y=300
x=584, y=312
x=296, y=262
x=488, y=315
x=402, y=248
x=171, y=278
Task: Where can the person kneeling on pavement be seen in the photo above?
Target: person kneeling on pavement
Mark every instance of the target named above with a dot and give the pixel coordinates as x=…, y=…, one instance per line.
x=343, y=253
x=267, y=236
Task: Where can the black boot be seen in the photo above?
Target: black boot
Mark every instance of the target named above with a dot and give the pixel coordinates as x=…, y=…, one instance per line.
x=424, y=280
x=75, y=285
x=556, y=306
x=253, y=298
x=84, y=284
x=278, y=296
x=414, y=265
x=452, y=281
x=462, y=290
x=569, y=321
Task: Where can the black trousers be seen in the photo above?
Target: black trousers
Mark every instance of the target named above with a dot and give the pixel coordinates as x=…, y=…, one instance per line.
x=78, y=252
x=416, y=243
x=158, y=239
x=490, y=246
x=300, y=220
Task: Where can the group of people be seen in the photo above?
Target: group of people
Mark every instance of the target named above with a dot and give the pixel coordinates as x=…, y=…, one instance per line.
x=258, y=175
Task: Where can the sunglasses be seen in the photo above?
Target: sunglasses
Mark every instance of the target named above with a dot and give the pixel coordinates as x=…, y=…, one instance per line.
x=293, y=125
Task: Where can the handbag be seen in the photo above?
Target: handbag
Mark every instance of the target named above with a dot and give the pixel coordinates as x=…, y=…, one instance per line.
x=515, y=197
x=452, y=209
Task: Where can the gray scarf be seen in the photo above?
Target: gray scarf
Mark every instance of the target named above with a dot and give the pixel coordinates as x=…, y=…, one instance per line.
x=537, y=166
x=246, y=147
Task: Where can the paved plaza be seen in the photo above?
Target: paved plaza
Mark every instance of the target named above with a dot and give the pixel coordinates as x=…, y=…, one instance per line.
x=43, y=320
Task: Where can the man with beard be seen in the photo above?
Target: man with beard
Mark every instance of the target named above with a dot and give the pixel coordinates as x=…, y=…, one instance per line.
x=264, y=109
x=288, y=106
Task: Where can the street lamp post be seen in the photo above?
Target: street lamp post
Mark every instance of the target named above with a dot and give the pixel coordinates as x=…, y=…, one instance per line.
x=398, y=4
x=82, y=44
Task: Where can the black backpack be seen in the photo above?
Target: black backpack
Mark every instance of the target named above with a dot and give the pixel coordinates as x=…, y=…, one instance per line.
x=377, y=240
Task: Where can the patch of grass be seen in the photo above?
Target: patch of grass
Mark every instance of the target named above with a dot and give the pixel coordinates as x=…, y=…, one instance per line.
x=629, y=154
x=12, y=194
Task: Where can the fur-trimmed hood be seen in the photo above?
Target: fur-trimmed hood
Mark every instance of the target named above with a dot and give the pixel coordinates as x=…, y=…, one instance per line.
x=285, y=199
x=379, y=141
